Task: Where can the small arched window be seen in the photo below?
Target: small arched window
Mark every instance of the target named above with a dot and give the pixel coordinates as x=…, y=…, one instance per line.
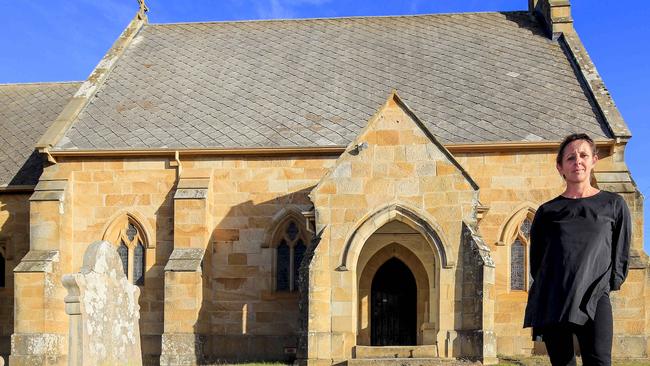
x=519, y=270
x=290, y=250
x=131, y=242
x=123, y=251
x=138, y=264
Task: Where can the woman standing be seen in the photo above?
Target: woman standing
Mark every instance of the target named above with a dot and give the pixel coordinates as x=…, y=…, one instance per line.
x=579, y=253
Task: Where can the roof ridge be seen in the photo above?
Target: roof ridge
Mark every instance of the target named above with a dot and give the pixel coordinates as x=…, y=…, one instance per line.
x=332, y=18
x=42, y=83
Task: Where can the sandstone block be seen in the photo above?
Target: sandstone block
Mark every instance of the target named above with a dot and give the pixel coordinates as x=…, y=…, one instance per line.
x=386, y=138
x=226, y=234
x=237, y=259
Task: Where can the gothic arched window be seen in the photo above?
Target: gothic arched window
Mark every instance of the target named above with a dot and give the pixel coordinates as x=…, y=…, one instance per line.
x=138, y=264
x=290, y=250
x=123, y=251
x=282, y=281
x=131, y=243
x=519, y=271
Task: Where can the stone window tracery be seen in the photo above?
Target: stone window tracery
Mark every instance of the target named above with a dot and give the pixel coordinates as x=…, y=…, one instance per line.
x=519, y=271
x=131, y=243
x=289, y=252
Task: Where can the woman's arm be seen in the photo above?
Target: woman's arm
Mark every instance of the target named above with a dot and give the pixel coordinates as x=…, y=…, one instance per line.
x=620, y=245
x=536, y=243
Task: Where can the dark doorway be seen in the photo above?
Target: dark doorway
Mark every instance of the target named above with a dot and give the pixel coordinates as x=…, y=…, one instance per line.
x=393, y=305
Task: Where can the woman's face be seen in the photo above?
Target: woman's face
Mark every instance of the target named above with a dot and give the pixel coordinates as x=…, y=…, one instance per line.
x=577, y=161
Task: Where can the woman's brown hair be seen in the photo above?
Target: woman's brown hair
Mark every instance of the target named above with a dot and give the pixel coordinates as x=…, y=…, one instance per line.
x=573, y=137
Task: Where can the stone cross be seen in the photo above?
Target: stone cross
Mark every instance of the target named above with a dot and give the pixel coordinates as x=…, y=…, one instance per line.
x=104, y=311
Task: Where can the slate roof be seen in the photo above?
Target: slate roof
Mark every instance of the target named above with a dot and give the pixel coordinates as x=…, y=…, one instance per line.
x=471, y=77
x=26, y=111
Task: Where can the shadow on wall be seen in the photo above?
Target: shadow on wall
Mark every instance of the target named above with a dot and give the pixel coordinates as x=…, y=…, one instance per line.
x=152, y=294
x=469, y=319
x=14, y=239
x=242, y=318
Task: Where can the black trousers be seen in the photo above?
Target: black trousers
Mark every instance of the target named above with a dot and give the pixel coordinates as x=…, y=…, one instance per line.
x=594, y=337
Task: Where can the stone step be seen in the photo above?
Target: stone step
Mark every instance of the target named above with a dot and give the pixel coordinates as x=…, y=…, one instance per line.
x=408, y=362
x=426, y=351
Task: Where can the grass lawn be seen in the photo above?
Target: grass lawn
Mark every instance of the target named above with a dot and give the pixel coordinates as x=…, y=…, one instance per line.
x=253, y=364
x=504, y=361
x=543, y=361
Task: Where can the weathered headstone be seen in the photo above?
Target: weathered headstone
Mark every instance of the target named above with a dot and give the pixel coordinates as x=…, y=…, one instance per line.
x=104, y=311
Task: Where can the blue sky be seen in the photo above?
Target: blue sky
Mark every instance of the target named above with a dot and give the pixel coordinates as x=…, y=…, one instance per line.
x=54, y=40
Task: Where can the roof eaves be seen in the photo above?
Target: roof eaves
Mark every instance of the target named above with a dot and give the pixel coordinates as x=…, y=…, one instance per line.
x=89, y=87
x=243, y=151
x=454, y=148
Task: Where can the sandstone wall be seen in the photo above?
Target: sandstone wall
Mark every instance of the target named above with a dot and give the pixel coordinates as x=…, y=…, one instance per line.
x=240, y=309
x=14, y=238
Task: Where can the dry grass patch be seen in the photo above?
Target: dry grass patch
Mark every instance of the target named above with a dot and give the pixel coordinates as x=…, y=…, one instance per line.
x=543, y=361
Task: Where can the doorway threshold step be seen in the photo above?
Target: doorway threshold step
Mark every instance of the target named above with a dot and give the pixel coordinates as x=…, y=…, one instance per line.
x=406, y=352
x=408, y=362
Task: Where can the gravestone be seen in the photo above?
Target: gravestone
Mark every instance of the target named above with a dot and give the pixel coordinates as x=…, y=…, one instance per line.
x=104, y=311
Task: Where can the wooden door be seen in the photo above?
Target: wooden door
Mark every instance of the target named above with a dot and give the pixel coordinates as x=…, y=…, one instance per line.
x=393, y=305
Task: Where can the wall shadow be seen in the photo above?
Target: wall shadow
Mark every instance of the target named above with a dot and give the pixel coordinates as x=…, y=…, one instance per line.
x=14, y=237
x=152, y=294
x=242, y=319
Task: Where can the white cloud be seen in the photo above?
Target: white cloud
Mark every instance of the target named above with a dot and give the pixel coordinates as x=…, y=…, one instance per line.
x=413, y=6
x=273, y=9
x=283, y=9
x=308, y=2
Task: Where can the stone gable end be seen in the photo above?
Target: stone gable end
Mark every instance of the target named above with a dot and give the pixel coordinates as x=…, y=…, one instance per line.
x=395, y=160
x=395, y=170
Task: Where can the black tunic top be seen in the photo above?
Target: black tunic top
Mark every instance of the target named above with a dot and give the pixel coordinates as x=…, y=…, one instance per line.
x=579, y=251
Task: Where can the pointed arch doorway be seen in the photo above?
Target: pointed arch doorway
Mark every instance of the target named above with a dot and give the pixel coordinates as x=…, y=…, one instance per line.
x=397, y=288
x=393, y=305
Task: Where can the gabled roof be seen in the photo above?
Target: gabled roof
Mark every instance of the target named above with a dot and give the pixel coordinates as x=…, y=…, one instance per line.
x=26, y=111
x=473, y=77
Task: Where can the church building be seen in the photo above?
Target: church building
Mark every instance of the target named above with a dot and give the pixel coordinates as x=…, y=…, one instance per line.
x=332, y=191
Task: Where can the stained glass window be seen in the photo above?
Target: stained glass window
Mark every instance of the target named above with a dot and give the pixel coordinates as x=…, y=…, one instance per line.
x=298, y=255
x=123, y=251
x=282, y=265
x=519, y=273
x=292, y=231
x=517, y=265
x=138, y=264
x=132, y=250
x=131, y=232
x=289, y=254
x=525, y=228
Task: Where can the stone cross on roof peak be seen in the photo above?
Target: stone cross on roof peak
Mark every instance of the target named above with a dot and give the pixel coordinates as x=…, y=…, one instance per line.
x=143, y=9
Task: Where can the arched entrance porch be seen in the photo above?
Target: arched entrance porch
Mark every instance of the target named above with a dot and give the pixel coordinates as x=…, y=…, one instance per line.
x=397, y=296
